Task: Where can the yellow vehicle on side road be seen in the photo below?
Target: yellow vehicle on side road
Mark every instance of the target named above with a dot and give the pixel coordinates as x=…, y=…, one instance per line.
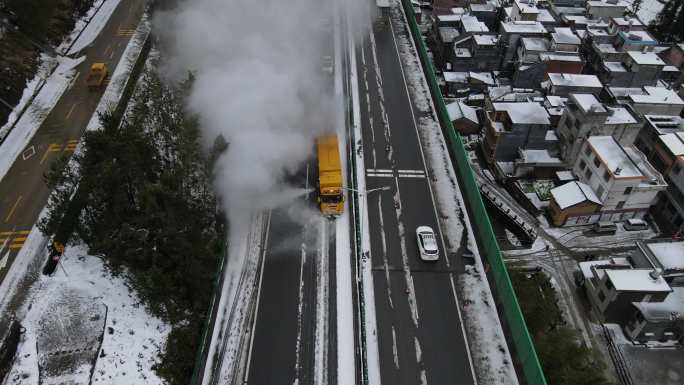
x=97, y=75
x=330, y=181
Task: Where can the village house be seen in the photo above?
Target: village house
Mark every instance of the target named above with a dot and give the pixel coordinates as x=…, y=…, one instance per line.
x=643, y=293
x=586, y=116
x=620, y=176
x=510, y=127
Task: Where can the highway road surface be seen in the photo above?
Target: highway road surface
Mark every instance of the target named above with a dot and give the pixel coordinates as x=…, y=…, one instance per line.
x=23, y=193
x=420, y=336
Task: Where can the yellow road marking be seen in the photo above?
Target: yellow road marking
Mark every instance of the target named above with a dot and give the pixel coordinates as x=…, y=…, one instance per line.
x=53, y=147
x=19, y=239
x=70, y=111
x=13, y=208
x=15, y=232
x=15, y=247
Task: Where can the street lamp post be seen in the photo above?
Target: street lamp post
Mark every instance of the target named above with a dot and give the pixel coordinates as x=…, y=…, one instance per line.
x=360, y=194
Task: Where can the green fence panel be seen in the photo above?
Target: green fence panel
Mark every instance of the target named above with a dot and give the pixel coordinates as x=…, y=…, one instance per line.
x=526, y=353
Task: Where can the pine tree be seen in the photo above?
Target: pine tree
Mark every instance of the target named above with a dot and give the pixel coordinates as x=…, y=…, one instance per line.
x=668, y=26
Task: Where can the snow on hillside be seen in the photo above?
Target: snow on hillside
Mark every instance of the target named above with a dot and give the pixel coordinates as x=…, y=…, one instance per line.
x=70, y=311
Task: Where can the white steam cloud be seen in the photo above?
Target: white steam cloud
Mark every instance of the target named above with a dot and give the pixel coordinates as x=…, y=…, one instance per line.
x=258, y=82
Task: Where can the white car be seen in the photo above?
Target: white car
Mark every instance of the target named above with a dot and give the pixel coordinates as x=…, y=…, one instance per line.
x=427, y=243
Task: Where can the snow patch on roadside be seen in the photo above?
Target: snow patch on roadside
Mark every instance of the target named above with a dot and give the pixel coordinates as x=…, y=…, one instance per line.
x=132, y=337
x=94, y=21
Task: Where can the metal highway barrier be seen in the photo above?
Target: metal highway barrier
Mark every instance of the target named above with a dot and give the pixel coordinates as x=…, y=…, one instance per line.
x=524, y=347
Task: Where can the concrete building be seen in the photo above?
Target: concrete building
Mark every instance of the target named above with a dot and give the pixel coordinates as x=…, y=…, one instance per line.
x=513, y=126
x=643, y=293
x=524, y=10
x=657, y=101
x=586, y=116
x=598, y=9
x=562, y=84
x=511, y=33
x=620, y=176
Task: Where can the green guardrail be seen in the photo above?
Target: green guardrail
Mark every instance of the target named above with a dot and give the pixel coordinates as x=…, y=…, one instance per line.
x=526, y=353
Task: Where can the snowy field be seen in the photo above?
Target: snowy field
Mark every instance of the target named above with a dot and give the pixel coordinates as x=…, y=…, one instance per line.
x=132, y=338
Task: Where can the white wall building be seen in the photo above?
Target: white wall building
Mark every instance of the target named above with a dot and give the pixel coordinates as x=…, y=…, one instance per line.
x=620, y=176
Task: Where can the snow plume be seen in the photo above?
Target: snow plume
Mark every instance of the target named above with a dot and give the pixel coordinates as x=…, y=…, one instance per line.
x=259, y=83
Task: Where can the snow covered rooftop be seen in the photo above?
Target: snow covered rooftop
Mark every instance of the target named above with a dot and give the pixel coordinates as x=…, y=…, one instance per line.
x=522, y=27
x=524, y=113
x=548, y=56
x=645, y=58
x=620, y=115
x=671, y=308
x=674, y=142
x=448, y=34
x=455, y=77
x=573, y=193
x=577, y=80
x=614, y=157
x=441, y=19
x=614, y=66
x=565, y=36
x=526, y=6
x=535, y=44
x=485, y=39
x=482, y=7
x=637, y=280
x=638, y=37
x=459, y=110
x=657, y=95
x=544, y=16
x=537, y=156
x=670, y=255
x=603, y=3
x=627, y=21
x=565, y=176
x=587, y=102
x=472, y=24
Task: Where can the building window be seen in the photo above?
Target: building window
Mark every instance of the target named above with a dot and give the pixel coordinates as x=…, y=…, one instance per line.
x=599, y=192
x=597, y=162
x=588, y=174
x=620, y=205
x=606, y=176
x=583, y=164
x=628, y=190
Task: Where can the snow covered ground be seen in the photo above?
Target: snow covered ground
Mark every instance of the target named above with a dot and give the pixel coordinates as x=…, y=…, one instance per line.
x=132, y=338
x=650, y=9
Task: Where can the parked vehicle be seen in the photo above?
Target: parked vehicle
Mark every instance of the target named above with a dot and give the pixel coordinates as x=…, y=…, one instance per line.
x=604, y=228
x=427, y=243
x=635, y=224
